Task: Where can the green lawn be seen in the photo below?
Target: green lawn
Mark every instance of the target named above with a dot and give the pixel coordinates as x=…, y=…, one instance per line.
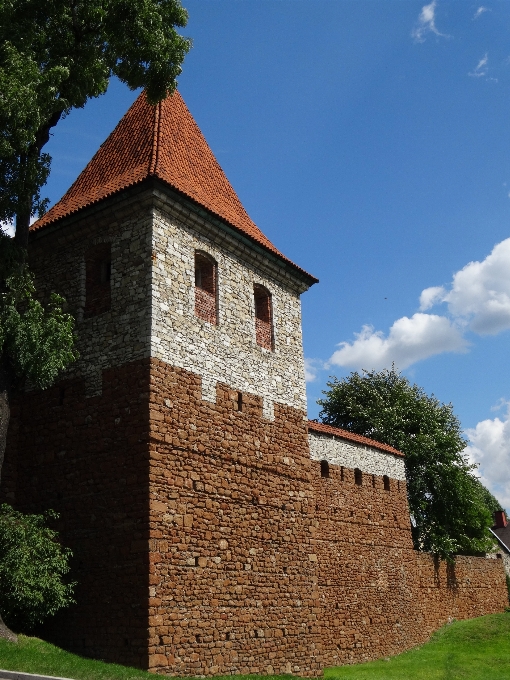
x=478, y=649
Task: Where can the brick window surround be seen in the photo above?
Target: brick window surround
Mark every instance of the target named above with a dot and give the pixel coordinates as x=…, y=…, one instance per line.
x=206, y=303
x=263, y=317
x=98, y=270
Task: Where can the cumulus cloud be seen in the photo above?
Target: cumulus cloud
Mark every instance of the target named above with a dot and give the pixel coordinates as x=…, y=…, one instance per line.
x=489, y=447
x=477, y=300
x=427, y=23
x=409, y=340
x=482, y=68
x=480, y=11
x=480, y=292
x=431, y=296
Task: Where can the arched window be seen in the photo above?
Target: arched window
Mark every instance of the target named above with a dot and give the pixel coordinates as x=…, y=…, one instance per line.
x=324, y=468
x=206, y=307
x=386, y=482
x=263, y=317
x=358, y=476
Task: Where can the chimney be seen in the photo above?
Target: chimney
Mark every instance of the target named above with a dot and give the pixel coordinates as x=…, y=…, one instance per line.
x=500, y=519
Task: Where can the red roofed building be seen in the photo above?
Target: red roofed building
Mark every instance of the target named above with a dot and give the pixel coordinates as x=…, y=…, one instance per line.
x=215, y=530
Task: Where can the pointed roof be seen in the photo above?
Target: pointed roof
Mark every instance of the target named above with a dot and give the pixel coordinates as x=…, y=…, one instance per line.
x=160, y=141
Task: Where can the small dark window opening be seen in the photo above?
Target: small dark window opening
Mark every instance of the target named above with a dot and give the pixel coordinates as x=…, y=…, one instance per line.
x=263, y=317
x=373, y=481
x=324, y=468
x=358, y=476
x=342, y=477
x=386, y=482
x=239, y=401
x=227, y=636
x=206, y=306
x=98, y=274
x=284, y=570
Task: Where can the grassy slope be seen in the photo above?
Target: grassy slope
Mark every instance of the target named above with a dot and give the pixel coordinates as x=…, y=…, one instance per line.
x=478, y=649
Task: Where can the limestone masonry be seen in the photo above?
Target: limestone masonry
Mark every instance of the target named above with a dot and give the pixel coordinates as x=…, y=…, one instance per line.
x=215, y=530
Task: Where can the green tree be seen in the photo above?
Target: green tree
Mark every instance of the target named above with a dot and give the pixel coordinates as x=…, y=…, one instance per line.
x=54, y=56
x=36, y=343
x=57, y=54
x=32, y=567
x=448, y=512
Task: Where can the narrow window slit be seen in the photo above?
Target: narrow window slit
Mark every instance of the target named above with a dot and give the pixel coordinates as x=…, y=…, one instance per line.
x=358, y=476
x=206, y=306
x=386, y=482
x=239, y=401
x=263, y=317
x=324, y=468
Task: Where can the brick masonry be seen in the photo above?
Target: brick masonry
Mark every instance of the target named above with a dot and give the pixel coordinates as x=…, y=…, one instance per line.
x=177, y=452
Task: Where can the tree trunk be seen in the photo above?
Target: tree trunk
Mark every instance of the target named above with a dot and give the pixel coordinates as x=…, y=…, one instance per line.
x=29, y=189
x=7, y=633
x=5, y=412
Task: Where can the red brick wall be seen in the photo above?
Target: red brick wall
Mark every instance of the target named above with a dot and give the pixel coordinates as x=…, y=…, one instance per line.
x=88, y=459
x=234, y=588
x=378, y=595
x=207, y=542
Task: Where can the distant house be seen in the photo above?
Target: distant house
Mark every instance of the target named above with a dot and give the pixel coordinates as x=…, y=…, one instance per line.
x=501, y=532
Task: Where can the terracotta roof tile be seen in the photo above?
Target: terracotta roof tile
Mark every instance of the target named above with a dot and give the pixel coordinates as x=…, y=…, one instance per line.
x=351, y=436
x=160, y=141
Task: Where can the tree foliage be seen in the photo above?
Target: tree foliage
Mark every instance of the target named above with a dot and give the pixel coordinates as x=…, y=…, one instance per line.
x=448, y=509
x=36, y=341
x=32, y=567
x=57, y=54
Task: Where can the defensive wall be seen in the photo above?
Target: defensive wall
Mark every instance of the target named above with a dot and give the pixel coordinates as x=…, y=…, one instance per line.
x=207, y=541
x=215, y=530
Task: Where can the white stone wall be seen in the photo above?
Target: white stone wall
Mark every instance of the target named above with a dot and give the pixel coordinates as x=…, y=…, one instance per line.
x=226, y=352
x=121, y=334
x=353, y=455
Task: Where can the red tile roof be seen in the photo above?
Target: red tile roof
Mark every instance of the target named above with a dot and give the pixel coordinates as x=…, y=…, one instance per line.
x=351, y=436
x=160, y=141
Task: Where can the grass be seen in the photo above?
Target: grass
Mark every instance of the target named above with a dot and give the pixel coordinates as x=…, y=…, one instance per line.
x=478, y=649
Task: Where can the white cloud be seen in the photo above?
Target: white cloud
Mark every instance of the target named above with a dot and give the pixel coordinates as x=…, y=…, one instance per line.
x=409, y=340
x=480, y=11
x=431, y=296
x=490, y=448
x=482, y=67
x=427, y=23
x=312, y=367
x=480, y=292
x=478, y=300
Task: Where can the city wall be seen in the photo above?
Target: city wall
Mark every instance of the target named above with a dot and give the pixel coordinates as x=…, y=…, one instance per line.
x=206, y=540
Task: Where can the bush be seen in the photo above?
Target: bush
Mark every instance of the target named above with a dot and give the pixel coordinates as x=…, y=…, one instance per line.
x=32, y=564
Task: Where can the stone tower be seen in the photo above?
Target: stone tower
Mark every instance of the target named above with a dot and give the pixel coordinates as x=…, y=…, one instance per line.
x=214, y=529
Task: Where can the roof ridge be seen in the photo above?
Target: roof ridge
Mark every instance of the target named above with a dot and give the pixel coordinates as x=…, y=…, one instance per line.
x=352, y=436
x=155, y=140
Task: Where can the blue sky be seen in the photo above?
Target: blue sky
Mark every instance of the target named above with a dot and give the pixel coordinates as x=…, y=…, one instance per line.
x=370, y=141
